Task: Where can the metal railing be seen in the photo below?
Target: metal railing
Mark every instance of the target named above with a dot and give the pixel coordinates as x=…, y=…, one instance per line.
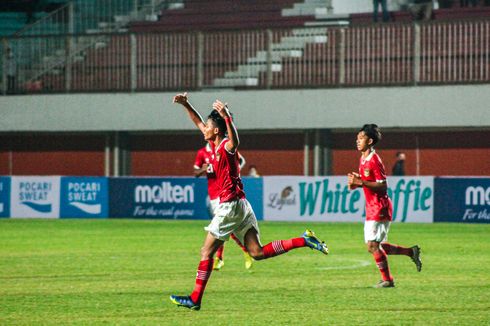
x=92, y=16
x=40, y=55
x=388, y=54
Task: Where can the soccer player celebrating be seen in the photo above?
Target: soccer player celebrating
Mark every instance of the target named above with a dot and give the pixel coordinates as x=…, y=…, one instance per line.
x=372, y=179
x=204, y=165
x=234, y=213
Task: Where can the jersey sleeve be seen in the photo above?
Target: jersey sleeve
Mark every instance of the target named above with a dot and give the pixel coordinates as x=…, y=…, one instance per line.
x=199, y=161
x=379, y=170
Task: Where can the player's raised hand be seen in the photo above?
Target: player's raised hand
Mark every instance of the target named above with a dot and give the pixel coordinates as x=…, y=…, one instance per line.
x=222, y=108
x=181, y=98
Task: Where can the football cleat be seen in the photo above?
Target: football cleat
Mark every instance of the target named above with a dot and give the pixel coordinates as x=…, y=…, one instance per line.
x=416, y=257
x=248, y=260
x=385, y=284
x=184, y=301
x=218, y=264
x=314, y=243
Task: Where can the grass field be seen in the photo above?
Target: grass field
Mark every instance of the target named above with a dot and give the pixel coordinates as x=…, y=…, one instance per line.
x=123, y=271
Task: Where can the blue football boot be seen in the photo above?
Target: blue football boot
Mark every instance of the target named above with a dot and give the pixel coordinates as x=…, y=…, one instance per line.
x=314, y=243
x=184, y=301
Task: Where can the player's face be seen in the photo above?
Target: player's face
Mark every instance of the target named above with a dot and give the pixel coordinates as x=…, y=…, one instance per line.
x=363, y=142
x=210, y=131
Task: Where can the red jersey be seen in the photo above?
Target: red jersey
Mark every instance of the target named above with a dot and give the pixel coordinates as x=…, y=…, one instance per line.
x=228, y=174
x=378, y=204
x=206, y=156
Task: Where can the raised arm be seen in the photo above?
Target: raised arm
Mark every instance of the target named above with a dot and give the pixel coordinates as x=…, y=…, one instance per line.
x=222, y=109
x=193, y=114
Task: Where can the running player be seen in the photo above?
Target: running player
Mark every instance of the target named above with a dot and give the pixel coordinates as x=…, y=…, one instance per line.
x=234, y=213
x=203, y=165
x=372, y=179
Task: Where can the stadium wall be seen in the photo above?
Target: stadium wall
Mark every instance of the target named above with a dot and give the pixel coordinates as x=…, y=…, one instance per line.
x=150, y=154
x=335, y=109
x=444, y=130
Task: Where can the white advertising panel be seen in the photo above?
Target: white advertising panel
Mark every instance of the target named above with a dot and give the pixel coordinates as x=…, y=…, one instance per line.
x=413, y=198
x=327, y=199
x=35, y=197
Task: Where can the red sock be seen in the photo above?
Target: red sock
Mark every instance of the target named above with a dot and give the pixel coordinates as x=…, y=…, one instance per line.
x=382, y=262
x=238, y=243
x=279, y=247
x=203, y=273
x=219, y=252
x=396, y=250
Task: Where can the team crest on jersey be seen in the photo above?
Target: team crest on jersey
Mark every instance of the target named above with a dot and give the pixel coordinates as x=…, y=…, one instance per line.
x=366, y=172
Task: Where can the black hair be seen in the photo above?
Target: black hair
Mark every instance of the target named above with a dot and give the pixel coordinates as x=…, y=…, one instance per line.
x=218, y=120
x=372, y=131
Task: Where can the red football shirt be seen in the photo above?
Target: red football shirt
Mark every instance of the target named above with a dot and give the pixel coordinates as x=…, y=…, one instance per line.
x=205, y=155
x=378, y=204
x=228, y=174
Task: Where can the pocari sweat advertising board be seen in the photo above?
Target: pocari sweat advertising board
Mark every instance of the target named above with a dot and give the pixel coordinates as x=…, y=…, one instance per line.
x=4, y=196
x=84, y=197
x=462, y=200
x=35, y=197
x=327, y=199
x=168, y=198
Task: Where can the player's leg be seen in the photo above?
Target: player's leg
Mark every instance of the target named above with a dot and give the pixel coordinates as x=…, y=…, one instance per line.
x=279, y=247
x=381, y=260
x=249, y=234
x=219, y=261
x=412, y=252
x=374, y=233
x=238, y=242
x=204, y=269
x=248, y=259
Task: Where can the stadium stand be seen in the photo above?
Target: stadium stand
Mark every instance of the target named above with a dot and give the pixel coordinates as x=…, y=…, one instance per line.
x=454, y=12
x=17, y=15
x=268, y=46
x=219, y=15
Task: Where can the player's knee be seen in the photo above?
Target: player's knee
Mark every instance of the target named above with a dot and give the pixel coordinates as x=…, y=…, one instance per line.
x=371, y=248
x=256, y=253
x=206, y=253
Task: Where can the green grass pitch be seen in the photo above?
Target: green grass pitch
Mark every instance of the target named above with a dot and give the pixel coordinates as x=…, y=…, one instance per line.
x=122, y=272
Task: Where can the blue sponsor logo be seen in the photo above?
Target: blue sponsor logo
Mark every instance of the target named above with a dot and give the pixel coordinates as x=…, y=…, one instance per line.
x=42, y=208
x=4, y=196
x=462, y=200
x=84, y=197
x=169, y=198
x=34, y=195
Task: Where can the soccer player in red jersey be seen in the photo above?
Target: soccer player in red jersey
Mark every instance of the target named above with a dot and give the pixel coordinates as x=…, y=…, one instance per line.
x=234, y=213
x=204, y=165
x=372, y=179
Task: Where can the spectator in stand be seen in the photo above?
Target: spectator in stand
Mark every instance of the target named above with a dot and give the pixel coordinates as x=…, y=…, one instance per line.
x=421, y=9
x=384, y=10
x=399, y=167
x=252, y=171
x=10, y=68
